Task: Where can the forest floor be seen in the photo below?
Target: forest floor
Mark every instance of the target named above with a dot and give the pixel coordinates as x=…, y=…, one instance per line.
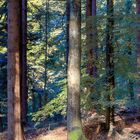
x=59, y=133
x=130, y=131
x=126, y=128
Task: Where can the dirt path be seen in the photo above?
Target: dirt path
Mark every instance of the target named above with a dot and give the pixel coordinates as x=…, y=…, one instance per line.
x=57, y=134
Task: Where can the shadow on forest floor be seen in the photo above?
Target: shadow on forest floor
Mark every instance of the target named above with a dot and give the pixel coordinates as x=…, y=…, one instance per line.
x=124, y=129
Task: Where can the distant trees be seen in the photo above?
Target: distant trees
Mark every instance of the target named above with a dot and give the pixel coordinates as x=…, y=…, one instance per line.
x=3, y=68
x=14, y=96
x=48, y=42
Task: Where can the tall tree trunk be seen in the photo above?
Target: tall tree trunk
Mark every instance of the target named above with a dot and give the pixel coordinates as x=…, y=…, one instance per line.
x=138, y=42
x=1, y=122
x=73, y=112
x=110, y=63
x=67, y=31
x=46, y=52
x=39, y=101
x=128, y=4
x=33, y=102
x=91, y=37
x=23, y=55
x=14, y=97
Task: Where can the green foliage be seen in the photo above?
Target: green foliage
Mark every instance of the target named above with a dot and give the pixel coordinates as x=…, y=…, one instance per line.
x=56, y=105
x=50, y=34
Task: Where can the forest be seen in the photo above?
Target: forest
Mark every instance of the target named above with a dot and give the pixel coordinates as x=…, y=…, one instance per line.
x=69, y=69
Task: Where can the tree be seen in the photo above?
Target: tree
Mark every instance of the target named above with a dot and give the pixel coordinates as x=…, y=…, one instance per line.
x=91, y=37
x=73, y=110
x=23, y=56
x=46, y=51
x=138, y=38
x=3, y=63
x=14, y=97
x=109, y=63
x=128, y=4
x=67, y=31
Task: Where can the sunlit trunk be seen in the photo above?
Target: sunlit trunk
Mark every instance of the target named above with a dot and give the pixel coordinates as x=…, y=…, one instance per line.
x=74, y=62
x=13, y=68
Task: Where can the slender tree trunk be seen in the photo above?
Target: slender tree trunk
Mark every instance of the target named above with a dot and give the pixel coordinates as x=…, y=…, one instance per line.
x=130, y=82
x=138, y=43
x=73, y=112
x=91, y=37
x=24, y=94
x=46, y=52
x=1, y=122
x=14, y=97
x=110, y=63
x=138, y=34
x=39, y=101
x=33, y=102
x=67, y=31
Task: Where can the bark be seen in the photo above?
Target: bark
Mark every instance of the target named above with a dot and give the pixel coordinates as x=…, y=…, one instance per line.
x=14, y=98
x=39, y=101
x=74, y=61
x=1, y=122
x=33, y=102
x=138, y=41
x=46, y=52
x=67, y=39
x=110, y=63
x=91, y=37
x=23, y=55
x=138, y=33
x=130, y=82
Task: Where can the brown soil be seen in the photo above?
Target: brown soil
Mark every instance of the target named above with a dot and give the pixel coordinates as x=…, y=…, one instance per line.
x=56, y=134
x=93, y=131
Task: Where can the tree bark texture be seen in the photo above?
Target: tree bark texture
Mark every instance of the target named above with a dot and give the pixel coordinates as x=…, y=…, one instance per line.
x=14, y=98
x=91, y=37
x=74, y=62
x=23, y=56
x=138, y=43
x=110, y=63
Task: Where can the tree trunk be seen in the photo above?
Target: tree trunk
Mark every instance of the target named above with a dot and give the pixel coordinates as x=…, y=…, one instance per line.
x=23, y=55
x=33, y=102
x=1, y=122
x=39, y=101
x=67, y=30
x=138, y=43
x=91, y=37
x=110, y=63
x=46, y=53
x=73, y=112
x=138, y=34
x=130, y=82
x=14, y=97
